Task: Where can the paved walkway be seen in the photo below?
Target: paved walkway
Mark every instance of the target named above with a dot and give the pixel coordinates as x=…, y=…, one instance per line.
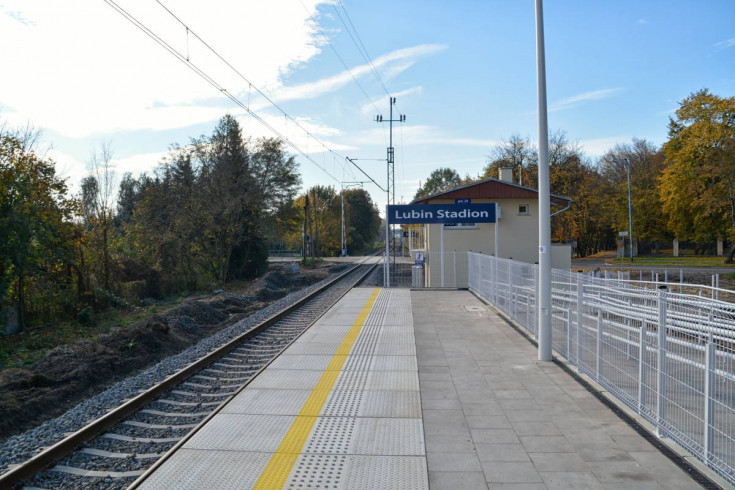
x=495, y=417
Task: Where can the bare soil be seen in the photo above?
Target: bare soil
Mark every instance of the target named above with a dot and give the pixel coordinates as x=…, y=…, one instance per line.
x=73, y=372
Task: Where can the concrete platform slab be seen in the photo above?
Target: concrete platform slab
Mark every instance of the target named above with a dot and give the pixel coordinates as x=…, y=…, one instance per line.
x=530, y=425
x=340, y=408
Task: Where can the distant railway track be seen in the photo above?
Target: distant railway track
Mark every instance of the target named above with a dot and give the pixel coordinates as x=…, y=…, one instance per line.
x=112, y=450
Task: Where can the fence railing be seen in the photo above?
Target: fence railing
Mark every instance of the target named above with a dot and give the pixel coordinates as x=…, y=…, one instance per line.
x=666, y=355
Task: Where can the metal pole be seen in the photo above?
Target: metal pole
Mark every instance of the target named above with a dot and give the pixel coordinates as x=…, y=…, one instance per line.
x=642, y=353
x=344, y=242
x=598, y=368
x=661, y=374
x=441, y=253
x=580, y=316
x=709, y=375
x=630, y=212
x=497, y=230
x=386, y=263
x=544, y=204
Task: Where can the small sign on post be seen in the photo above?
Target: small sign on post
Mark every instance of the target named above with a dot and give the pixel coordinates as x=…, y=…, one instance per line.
x=418, y=258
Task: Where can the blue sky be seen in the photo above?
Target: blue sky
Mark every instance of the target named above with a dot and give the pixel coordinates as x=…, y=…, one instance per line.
x=463, y=73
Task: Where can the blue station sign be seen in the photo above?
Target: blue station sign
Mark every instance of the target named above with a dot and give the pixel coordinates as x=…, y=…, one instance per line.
x=407, y=214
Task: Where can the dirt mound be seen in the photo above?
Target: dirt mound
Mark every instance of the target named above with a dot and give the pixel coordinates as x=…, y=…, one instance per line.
x=73, y=372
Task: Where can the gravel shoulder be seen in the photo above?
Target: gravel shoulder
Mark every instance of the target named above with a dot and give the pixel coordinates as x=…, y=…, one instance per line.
x=77, y=373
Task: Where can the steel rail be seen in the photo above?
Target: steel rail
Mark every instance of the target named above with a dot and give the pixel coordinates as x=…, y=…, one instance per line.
x=46, y=458
x=160, y=461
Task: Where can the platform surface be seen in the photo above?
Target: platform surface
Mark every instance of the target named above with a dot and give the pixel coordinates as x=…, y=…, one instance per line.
x=340, y=408
x=411, y=390
x=496, y=417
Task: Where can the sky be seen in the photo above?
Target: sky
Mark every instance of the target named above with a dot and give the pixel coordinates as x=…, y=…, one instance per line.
x=463, y=73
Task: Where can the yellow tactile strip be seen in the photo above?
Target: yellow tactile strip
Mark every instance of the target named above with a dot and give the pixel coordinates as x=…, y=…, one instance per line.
x=279, y=466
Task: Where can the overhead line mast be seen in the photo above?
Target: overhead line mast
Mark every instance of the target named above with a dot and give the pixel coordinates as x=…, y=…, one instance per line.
x=391, y=184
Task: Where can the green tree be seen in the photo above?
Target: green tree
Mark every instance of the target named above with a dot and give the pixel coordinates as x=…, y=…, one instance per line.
x=697, y=187
x=35, y=221
x=441, y=179
x=646, y=166
x=363, y=221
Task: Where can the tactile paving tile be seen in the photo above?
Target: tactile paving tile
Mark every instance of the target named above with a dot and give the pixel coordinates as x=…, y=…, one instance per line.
x=359, y=472
x=396, y=335
x=267, y=402
x=362, y=403
x=339, y=317
x=392, y=381
x=238, y=432
x=312, y=348
x=300, y=361
x=223, y=470
x=395, y=316
x=393, y=363
x=321, y=337
x=286, y=379
x=390, y=349
x=368, y=436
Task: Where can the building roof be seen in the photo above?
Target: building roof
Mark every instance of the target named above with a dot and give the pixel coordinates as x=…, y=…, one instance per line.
x=491, y=189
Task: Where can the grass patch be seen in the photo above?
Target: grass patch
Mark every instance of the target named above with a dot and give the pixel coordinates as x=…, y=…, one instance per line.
x=31, y=345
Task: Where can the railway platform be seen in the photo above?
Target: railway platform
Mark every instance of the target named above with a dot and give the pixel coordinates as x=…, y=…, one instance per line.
x=414, y=389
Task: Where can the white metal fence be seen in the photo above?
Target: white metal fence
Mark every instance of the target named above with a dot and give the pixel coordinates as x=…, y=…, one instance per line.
x=668, y=356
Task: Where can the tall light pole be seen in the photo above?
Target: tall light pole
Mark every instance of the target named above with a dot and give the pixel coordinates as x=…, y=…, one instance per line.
x=630, y=212
x=544, y=198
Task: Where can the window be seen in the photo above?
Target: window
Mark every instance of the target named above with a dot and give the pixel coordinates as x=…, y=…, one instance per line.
x=523, y=210
x=460, y=226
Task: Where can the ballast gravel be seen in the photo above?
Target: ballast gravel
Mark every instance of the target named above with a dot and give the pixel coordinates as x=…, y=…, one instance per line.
x=23, y=446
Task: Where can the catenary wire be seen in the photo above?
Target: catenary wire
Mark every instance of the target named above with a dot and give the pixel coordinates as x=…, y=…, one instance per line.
x=361, y=47
x=224, y=91
x=240, y=74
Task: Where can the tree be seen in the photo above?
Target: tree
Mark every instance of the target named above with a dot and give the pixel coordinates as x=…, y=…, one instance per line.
x=441, y=179
x=35, y=220
x=697, y=187
x=363, y=221
x=515, y=152
x=646, y=165
x=98, y=206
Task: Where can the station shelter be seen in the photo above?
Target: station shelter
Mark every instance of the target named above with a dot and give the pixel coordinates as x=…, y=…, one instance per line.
x=514, y=235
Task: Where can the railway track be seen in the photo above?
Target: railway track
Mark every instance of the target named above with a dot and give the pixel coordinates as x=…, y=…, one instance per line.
x=113, y=450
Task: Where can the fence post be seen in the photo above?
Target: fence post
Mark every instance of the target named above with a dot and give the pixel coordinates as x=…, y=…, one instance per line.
x=642, y=366
x=599, y=345
x=580, y=316
x=661, y=375
x=569, y=332
x=709, y=378
x=535, y=301
x=512, y=305
x=454, y=261
x=627, y=330
x=495, y=280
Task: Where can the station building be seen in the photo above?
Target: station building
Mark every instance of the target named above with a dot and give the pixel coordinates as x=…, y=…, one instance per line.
x=516, y=229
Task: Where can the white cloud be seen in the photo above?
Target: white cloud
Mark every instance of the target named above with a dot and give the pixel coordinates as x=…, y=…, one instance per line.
x=583, y=97
x=397, y=61
x=727, y=43
x=641, y=22
x=80, y=68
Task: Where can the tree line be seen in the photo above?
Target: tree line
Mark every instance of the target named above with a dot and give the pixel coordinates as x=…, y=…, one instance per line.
x=684, y=189
x=205, y=215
